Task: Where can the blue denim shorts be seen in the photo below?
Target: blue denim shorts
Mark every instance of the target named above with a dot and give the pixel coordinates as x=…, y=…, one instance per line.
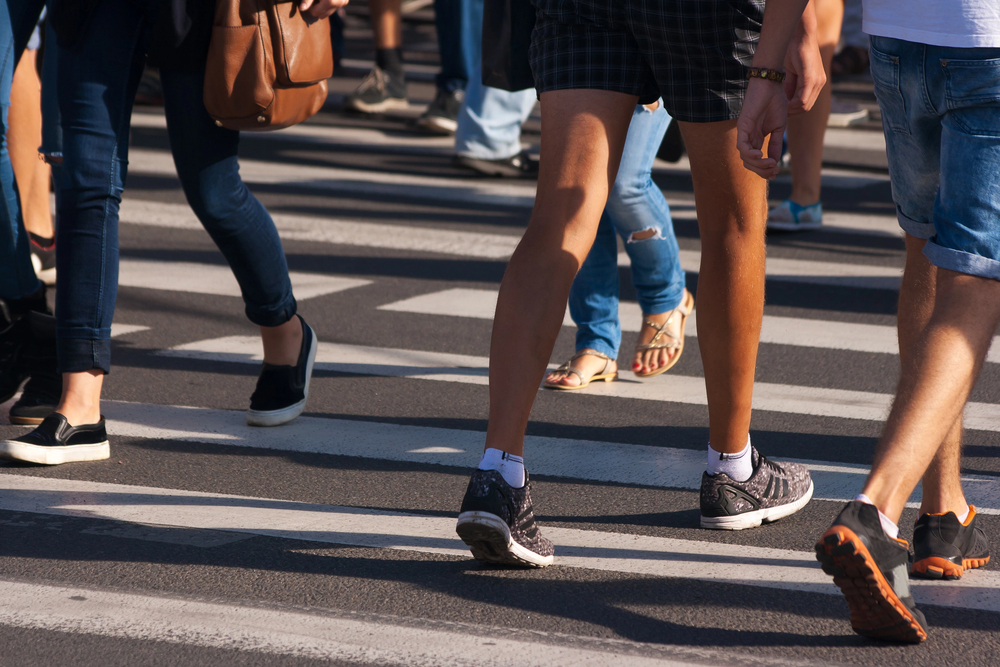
x=941, y=116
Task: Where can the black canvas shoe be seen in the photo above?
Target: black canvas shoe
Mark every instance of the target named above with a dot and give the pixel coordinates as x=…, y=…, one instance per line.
x=43, y=258
x=498, y=523
x=44, y=388
x=282, y=391
x=14, y=338
x=55, y=442
x=441, y=116
x=380, y=91
x=944, y=547
x=871, y=570
x=773, y=491
x=518, y=166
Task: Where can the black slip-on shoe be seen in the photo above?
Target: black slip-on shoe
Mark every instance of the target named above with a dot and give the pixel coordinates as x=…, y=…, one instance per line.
x=43, y=390
x=55, y=442
x=871, y=570
x=774, y=491
x=282, y=391
x=498, y=523
x=944, y=547
x=517, y=166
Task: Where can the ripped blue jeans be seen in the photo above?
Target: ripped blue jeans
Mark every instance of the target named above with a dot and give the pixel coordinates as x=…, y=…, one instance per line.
x=635, y=206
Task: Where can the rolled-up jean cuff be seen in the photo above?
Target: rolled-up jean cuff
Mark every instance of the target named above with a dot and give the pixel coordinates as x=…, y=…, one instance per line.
x=274, y=316
x=596, y=344
x=662, y=305
x=921, y=230
x=79, y=355
x=962, y=262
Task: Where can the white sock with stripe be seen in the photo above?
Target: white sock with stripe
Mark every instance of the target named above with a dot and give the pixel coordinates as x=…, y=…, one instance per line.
x=888, y=526
x=738, y=467
x=510, y=467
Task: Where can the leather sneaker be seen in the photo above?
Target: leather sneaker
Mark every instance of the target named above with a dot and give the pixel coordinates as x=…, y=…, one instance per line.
x=498, y=523
x=871, y=570
x=54, y=441
x=944, y=547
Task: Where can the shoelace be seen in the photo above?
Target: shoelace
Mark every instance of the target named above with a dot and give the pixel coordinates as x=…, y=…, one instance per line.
x=763, y=460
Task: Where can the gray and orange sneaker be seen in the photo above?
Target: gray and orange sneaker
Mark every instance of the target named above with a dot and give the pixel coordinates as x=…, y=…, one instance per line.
x=497, y=521
x=871, y=570
x=944, y=547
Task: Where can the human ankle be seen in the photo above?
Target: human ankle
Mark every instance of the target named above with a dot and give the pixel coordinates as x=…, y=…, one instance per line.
x=889, y=527
x=283, y=343
x=738, y=466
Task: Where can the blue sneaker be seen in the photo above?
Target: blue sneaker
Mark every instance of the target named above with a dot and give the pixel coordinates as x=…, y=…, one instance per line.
x=790, y=217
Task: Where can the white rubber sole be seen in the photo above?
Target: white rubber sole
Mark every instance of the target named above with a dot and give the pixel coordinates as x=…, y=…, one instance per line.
x=389, y=104
x=438, y=124
x=754, y=519
x=287, y=414
x=490, y=540
x=51, y=456
x=47, y=276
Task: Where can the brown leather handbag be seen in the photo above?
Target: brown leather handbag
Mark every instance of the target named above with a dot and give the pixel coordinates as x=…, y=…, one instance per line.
x=267, y=65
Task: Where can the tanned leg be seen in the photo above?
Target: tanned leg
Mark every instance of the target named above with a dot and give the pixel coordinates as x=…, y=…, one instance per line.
x=387, y=23
x=732, y=209
x=583, y=133
x=23, y=139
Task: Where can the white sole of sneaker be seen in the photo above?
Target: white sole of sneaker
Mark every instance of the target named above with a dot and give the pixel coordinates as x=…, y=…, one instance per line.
x=390, y=104
x=490, y=540
x=438, y=124
x=793, y=226
x=754, y=519
x=51, y=456
x=285, y=415
x=47, y=276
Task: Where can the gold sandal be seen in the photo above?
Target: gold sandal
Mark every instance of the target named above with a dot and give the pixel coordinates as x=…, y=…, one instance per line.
x=674, y=343
x=584, y=381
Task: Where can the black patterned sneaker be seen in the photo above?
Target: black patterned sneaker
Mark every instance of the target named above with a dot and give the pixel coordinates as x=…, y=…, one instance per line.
x=282, y=391
x=441, y=116
x=55, y=442
x=773, y=492
x=871, y=570
x=498, y=524
x=380, y=91
x=44, y=388
x=944, y=547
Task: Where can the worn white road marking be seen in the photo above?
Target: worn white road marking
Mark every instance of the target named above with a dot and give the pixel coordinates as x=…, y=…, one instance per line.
x=826, y=334
x=616, y=552
x=663, y=466
x=322, y=634
x=487, y=245
x=218, y=279
x=444, y=367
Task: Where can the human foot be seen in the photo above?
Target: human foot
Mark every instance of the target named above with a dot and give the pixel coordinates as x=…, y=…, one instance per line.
x=584, y=367
x=661, y=339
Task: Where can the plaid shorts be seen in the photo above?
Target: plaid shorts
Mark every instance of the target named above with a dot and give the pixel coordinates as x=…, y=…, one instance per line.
x=692, y=53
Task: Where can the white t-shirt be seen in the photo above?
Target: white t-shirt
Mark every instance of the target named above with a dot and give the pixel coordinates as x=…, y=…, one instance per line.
x=961, y=23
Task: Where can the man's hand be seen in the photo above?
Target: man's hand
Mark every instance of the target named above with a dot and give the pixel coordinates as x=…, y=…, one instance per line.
x=804, y=74
x=765, y=112
x=321, y=8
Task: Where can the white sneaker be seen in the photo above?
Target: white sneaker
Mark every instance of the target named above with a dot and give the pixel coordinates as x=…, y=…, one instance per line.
x=790, y=217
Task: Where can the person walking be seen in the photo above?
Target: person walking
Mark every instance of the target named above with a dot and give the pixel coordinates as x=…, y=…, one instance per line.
x=99, y=70
x=936, y=69
x=593, y=62
x=639, y=213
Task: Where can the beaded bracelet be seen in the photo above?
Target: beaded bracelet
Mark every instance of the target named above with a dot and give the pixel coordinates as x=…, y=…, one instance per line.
x=764, y=73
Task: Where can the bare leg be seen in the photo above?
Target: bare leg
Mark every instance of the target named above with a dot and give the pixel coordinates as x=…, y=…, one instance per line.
x=942, y=490
x=732, y=209
x=934, y=386
x=387, y=23
x=583, y=133
x=81, y=397
x=806, y=131
x=282, y=343
x=23, y=139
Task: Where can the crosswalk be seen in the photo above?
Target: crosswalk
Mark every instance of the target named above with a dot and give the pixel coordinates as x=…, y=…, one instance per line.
x=137, y=507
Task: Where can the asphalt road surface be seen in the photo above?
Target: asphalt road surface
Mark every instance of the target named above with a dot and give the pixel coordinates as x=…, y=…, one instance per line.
x=331, y=540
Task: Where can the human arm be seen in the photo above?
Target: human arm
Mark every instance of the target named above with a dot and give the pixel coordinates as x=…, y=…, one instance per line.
x=805, y=76
x=321, y=8
x=765, y=106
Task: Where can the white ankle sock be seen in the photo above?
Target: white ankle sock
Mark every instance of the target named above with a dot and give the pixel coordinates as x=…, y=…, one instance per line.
x=738, y=466
x=964, y=516
x=510, y=467
x=888, y=527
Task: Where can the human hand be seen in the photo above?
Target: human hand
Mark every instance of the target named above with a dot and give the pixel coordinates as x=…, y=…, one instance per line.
x=765, y=112
x=321, y=8
x=804, y=73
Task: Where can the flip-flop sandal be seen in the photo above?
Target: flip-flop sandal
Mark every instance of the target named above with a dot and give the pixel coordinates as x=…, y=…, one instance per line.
x=671, y=342
x=567, y=368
